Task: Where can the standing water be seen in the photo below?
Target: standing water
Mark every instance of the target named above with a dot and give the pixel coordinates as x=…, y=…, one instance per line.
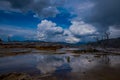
x=64, y=66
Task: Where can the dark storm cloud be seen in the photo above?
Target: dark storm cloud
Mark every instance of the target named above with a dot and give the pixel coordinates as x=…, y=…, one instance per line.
x=105, y=13
x=99, y=12
x=20, y=3
x=42, y=8
x=102, y=14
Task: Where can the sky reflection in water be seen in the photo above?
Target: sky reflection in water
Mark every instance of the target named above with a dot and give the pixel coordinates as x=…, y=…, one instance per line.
x=53, y=64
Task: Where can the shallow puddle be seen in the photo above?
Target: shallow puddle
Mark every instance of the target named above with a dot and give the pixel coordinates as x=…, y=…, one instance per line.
x=64, y=66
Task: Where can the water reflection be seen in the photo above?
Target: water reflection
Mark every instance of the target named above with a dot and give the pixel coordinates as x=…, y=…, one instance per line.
x=68, y=59
x=105, y=59
x=56, y=64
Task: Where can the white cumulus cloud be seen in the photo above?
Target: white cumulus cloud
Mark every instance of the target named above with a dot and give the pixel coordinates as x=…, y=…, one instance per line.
x=81, y=28
x=69, y=37
x=49, y=31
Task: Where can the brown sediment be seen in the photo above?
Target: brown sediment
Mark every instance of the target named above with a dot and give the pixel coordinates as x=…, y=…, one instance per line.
x=7, y=49
x=48, y=47
x=13, y=51
x=15, y=76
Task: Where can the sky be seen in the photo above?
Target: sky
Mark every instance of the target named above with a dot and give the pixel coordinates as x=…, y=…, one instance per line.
x=70, y=21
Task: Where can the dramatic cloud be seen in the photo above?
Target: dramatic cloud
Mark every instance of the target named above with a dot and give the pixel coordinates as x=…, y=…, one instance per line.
x=41, y=8
x=81, y=28
x=86, y=17
x=100, y=13
x=49, y=31
x=105, y=12
x=69, y=37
